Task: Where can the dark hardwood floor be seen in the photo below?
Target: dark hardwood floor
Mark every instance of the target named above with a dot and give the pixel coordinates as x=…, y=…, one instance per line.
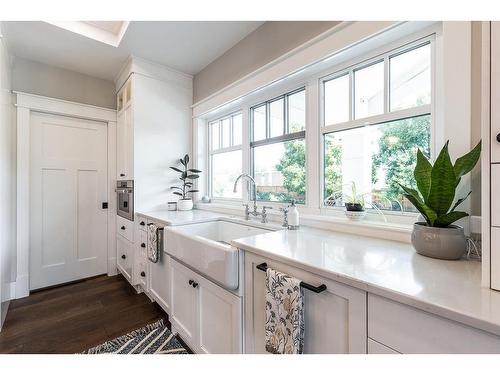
x=75, y=317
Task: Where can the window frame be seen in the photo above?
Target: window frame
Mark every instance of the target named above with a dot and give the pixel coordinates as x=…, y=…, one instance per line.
x=385, y=117
x=222, y=150
x=277, y=139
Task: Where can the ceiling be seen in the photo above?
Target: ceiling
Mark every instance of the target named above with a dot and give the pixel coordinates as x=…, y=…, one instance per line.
x=187, y=46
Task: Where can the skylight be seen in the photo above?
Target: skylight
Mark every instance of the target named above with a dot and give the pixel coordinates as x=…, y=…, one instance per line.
x=109, y=32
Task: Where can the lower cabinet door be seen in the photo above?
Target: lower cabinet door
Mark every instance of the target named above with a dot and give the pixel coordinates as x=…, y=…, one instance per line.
x=159, y=282
x=125, y=257
x=220, y=320
x=184, y=303
x=335, y=319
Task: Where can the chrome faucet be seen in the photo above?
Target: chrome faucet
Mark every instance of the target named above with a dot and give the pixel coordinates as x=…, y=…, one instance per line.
x=253, y=190
x=253, y=193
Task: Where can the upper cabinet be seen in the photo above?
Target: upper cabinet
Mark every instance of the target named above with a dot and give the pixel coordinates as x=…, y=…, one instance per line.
x=125, y=145
x=153, y=129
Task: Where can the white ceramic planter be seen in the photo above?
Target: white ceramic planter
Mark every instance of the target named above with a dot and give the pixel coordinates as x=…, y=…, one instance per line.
x=185, y=204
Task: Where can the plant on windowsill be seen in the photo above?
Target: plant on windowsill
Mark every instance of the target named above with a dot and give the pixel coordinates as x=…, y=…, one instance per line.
x=188, y=175
x=437, y=237
x=354, y=203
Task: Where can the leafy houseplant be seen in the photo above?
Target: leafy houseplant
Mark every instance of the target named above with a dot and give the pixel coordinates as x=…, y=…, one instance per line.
x=435, y=194
x=187, y=176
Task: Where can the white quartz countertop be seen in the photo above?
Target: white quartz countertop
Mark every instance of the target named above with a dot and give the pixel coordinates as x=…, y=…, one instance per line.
x=180, y=217
x=451, y=289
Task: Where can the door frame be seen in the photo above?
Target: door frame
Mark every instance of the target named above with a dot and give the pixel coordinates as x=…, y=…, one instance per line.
x=26, y=104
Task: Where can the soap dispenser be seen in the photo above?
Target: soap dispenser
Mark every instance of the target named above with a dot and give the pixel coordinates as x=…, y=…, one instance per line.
x=293, y=217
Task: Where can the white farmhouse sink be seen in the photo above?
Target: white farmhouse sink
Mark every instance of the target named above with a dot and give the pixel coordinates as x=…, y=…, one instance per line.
x=205, y=247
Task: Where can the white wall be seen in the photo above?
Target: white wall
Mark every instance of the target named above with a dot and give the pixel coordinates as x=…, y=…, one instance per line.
x=40, y=79
x=7, y=182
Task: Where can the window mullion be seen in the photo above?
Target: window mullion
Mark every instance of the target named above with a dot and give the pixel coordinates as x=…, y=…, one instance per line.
x=351, y=95
x=387, y=88
x=286, y=125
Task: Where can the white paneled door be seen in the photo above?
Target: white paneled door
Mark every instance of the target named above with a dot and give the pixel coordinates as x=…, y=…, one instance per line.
x=68, y=183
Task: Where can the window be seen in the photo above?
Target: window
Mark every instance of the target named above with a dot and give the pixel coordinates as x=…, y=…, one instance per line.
x=375, y=116
x=278, y=148
x=225, y=138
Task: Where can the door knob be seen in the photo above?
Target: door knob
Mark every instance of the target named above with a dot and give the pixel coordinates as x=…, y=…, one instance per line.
x=123, y=227
x=195, y=285
x=143, y=244
x=191, y=282
x=124, y=256
x=143, y=273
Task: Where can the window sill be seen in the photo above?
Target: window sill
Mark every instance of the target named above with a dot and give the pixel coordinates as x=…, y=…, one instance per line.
x=385, y=230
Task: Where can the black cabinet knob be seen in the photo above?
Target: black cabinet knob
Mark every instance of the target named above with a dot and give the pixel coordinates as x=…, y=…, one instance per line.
x=143, y=273
x=142, y=223
x=124, y=256
x=123, y=227
x=195, y=285
x=143, y=244
x=191, y=282
x=122, y=174
x=498, y=137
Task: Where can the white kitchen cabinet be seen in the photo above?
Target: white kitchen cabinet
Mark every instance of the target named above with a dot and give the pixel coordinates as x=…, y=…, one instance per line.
x=160, y=282
x=219, y=319
x=335, y=319
x=412, y=331
x=140, y=271
x=207, y=317
x=125, y=257
x=125, y=145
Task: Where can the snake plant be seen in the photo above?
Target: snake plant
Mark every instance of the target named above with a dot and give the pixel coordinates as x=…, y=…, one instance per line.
x=437, y=186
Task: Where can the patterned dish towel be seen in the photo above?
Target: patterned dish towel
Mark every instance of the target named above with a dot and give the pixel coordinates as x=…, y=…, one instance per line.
x=153, y=253
x=284, y=314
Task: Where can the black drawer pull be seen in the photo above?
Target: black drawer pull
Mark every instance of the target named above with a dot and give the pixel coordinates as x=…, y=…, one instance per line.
x=142, y=223
x=124, y=256
x=498, y=137
x=143, y=244
x=315, y=289
x=195, y=285
x=143, y=273
x=191, y=282
x=122, y=174
x=123, y=227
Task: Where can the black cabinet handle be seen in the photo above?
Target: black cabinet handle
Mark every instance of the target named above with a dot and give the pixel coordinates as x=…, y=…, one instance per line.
x=124, y=256
x=191, y=282
x=143, y=244
x=498, y=137
x=195, y=285
x=123, y=227
x=143, y=273
x=142, y=223
x=122, y=174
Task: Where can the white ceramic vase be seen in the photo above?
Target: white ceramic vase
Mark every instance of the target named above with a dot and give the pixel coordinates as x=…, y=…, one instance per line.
x=185, y=204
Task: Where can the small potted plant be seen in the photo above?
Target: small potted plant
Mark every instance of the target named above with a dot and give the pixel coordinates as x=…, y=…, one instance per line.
x=187, y=176
x=354, y=203
x=437, y=237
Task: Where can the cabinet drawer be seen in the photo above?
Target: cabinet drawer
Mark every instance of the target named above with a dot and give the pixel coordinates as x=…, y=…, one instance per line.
x=125, y=228
x=413, y=331
x=124, y=257
x=142, y=223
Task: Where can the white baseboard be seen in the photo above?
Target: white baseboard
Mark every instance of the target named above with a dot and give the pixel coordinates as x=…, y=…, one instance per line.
x=22, y=287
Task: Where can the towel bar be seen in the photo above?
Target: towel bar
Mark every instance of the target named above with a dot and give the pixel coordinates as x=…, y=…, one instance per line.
x=315, y=289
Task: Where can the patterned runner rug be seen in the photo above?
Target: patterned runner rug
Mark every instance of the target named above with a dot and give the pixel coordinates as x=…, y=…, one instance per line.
x=155, y=338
